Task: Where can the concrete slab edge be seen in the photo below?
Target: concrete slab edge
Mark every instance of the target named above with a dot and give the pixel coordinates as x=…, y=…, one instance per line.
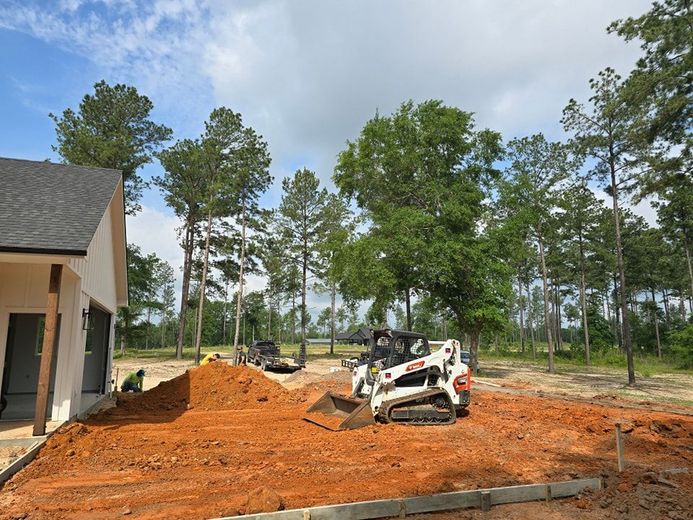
x=478, y=498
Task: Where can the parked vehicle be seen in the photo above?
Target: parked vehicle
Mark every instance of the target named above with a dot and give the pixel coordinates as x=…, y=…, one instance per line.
x=466, y=359
x=267, y=355
x=403, y=382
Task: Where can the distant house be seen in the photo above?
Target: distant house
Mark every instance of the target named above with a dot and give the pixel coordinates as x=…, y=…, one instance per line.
x=360, y=337
x=62, y=239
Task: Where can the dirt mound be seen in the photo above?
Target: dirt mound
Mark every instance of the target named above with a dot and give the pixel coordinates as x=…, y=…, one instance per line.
x=216, y=386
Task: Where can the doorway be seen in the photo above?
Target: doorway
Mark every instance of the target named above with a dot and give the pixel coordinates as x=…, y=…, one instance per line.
x=96, y=351
x=22, y=365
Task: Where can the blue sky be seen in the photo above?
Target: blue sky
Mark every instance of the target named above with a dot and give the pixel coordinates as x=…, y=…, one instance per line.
x=305, y=74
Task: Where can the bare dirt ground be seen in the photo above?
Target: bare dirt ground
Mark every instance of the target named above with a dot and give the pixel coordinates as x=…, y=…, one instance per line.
x=156, y=370
x=665, y=389
x=662, y=390
x=201, y=445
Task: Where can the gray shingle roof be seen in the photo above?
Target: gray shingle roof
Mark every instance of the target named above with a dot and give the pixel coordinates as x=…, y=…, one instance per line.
x=52, y=208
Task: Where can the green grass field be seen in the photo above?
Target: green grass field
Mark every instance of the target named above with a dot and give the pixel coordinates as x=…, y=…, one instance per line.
x=645, y=364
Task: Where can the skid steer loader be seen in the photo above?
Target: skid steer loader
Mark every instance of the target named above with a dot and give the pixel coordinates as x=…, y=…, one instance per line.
x=402, y=382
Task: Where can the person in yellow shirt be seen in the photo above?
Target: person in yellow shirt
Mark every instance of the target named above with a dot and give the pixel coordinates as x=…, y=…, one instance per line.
x=134, y=382
x=209, y=358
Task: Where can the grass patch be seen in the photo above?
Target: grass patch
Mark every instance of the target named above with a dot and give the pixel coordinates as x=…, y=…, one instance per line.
x=646, y=365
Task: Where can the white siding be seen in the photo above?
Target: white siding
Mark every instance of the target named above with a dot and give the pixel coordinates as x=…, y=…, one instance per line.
x=24, y=288
x=97, y=269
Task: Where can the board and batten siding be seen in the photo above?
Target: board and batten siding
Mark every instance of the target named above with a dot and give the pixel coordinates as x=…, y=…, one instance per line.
x=97, y=269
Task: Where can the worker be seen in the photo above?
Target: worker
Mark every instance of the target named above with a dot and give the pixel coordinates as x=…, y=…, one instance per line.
x=209, y=358
x=134, y=382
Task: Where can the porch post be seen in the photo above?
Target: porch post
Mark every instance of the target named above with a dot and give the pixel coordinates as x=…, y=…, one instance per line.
x=49, y=331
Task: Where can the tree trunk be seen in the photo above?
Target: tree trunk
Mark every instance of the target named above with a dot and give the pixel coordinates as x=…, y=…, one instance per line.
x=665, y=297
x=149, y=326
x=269, y=319
x=522, y=315
x=203, y=287
x=547, y=322
x=239, y=299
x=583, y=302
x=474, y=338
x=162, y=326
x=622, y=279
x=407, y=302
x=530, y=323
x=617, y=315
x=304, y=284
x=185, y=291
x=333, y=317
x=656, y=324
x=687, y=250
x=293, y=319
x=226, y=303
x=559, y=319
x=187, y=267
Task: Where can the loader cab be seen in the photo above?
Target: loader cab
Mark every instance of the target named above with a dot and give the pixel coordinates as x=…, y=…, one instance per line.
x=390, y=348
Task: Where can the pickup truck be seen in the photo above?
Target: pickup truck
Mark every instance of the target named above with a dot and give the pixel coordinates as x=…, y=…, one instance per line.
x=267, y=355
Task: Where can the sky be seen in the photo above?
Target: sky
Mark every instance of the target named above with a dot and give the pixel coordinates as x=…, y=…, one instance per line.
x=305, y=74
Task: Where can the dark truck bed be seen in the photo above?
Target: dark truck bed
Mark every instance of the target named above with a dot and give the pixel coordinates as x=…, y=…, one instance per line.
x=267, y=355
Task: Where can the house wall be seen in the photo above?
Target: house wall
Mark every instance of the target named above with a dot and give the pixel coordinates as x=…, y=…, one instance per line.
x=97, y=269
x=24, y=289
x=85, y=281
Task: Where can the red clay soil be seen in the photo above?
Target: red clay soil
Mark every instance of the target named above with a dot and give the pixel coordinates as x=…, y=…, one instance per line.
x=196, y=446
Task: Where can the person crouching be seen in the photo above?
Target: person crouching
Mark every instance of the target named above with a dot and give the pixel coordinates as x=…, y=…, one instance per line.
x=134, y=382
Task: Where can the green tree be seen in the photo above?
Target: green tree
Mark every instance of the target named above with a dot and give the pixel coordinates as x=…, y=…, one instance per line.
x=111, y=129
x=578, y=223
x=183, y=186
x=675, y=217
x=421, y=178
x=302, y=213
x=607, y=131
x=141, y=286
x=338, y=227
x=250, y=180
x=529, y=194
x=661, y=86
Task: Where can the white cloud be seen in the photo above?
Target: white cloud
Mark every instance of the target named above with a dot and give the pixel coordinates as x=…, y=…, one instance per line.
x=307, y=74
x=643, y=208
x=154, y=231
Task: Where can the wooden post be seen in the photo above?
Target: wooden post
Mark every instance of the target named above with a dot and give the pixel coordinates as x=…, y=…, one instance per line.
x=485, y=499
x=619, y=449
x=49, y=332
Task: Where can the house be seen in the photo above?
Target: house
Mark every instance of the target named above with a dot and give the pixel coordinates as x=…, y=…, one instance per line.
x=63, y=276
x=360, y=337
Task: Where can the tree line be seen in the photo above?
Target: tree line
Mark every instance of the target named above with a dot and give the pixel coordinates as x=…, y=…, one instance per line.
x=447, y=226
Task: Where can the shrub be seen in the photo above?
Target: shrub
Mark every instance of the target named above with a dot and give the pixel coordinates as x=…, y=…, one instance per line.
x=682, y=347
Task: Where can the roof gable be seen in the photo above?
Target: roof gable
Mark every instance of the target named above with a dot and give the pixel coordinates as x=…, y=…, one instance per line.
x=52, y=208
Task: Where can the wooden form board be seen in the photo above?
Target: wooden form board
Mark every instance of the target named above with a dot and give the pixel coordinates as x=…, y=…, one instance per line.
x=479, y=498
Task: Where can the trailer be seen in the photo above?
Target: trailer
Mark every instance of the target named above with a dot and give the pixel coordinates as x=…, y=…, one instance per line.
x=267, y=355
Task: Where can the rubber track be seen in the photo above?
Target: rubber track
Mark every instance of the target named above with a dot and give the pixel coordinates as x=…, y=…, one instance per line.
x=384, y=411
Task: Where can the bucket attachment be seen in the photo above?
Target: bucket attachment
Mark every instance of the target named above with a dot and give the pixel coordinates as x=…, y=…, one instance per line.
x=337, y=412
